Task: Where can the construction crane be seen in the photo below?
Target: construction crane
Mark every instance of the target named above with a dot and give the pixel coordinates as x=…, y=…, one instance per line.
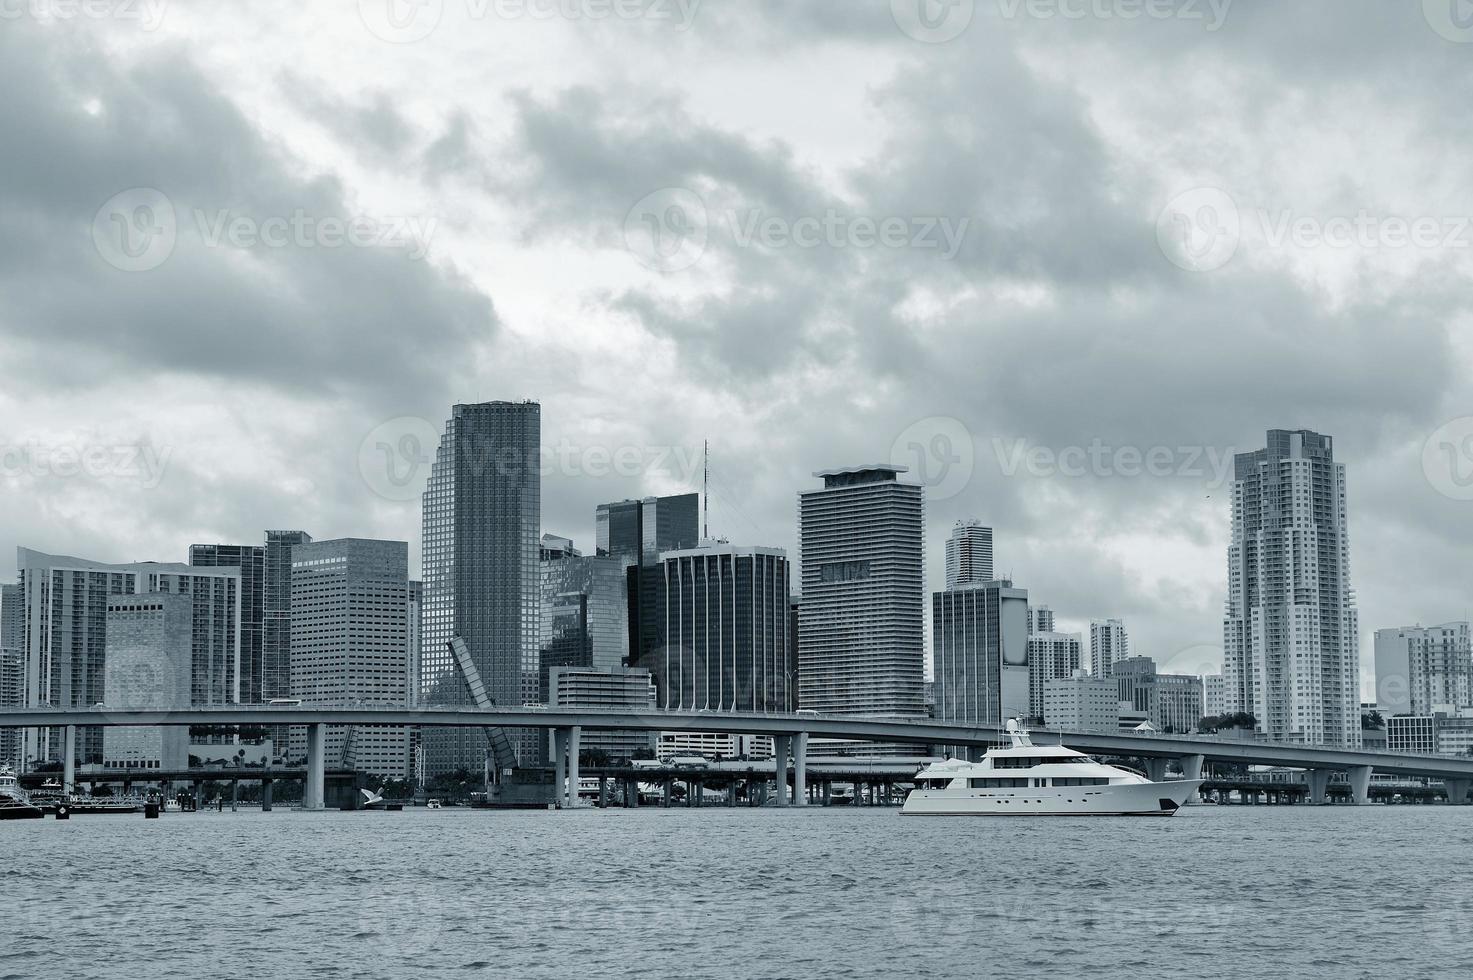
x=498, y=746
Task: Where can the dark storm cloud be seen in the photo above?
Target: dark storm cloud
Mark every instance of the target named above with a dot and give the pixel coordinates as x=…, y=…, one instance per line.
x=315, y=314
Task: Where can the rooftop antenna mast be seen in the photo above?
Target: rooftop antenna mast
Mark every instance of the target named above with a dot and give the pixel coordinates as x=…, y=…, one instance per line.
x=706, y=489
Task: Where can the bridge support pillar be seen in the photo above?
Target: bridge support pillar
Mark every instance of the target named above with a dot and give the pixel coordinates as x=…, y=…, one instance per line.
x=266, y=795
x=1319, y=784
x=314, y=793
x=560, y=765
x=1191, y=768
x=1457, y=790
x=780, y=746
x=575, y=742
x=800, y=769
x=1156, y=769
x=603, y=792
x=669, y=789
x=1360, y=785
x=68, y=760
x=235, y=796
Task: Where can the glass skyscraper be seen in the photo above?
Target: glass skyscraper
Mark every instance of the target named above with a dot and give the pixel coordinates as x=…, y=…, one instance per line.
x=482, y=516
x=861, y=625
x=640, y=530
x=251, y=560
x=276, y=613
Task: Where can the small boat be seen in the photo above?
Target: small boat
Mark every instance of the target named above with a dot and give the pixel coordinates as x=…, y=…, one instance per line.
x=14, y=804
x=433, y=805
x=1041, y=780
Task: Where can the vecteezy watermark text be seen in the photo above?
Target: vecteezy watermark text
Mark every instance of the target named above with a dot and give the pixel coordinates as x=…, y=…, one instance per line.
x=407, y=21
x=148, y=13
x=668, y=230
x=140, y=462
x=1099, y=459
x=138, y=229
x=1213, y=13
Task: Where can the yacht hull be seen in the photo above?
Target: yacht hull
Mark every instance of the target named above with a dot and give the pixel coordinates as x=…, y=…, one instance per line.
x=1127, y=800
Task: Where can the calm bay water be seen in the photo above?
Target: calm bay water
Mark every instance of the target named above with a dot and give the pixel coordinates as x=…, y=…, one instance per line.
x=1238, y=892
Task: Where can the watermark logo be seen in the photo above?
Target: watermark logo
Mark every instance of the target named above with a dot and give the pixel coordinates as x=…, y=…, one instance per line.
x=1199, y=230
x=394, y=459
x=1099, y=459
x=148, y=13
x=1447, y=459
x=135, y=230
x=666, y=230
x=401, y=21
x=1451, y=19
x=1212, y=12
x=837, y=230
x=933, y=21
x=300, y=229
x=939, y=454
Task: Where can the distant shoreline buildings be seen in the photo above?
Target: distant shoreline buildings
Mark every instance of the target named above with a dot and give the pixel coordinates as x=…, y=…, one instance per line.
x=658, y=617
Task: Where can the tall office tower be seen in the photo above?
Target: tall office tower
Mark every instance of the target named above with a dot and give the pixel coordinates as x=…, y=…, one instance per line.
x=861, y=628
x=251, y=560
x=482, y=517
x=1108, y=645
x=149, y=647
x=640, y=530
x=1290, y=636
x=980, y=646
x=350, y=642
x=1051, y=656
x=1040, y=620
x=636, y=533
x=1214, y=696
x=968, y=554
x=276, y=613
x=1421, y=669
x=12, y=670
x=723, y=641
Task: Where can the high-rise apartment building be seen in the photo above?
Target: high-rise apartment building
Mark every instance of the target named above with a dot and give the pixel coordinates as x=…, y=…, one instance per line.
x=724, y=640
x=1040, y=620
x=979, y=635
x=968, y=554
x=276, y=612
x=1082, y=703
x=64, y=604
x=1051, y=656
x=1290, y=636
x=482, y=519
x=149, y=644
x=350, y=642
x=861, y=625
x=12, y=670
x=251, y=560
x=1420, y=669
x=1108, y=644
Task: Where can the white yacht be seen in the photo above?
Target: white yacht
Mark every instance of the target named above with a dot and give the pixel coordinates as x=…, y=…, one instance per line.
x=1041, y=780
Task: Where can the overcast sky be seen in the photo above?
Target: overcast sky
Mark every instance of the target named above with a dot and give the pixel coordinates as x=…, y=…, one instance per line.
x=1062, y=257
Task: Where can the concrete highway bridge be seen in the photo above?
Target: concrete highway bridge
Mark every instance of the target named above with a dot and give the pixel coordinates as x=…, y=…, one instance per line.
x=790, y=732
